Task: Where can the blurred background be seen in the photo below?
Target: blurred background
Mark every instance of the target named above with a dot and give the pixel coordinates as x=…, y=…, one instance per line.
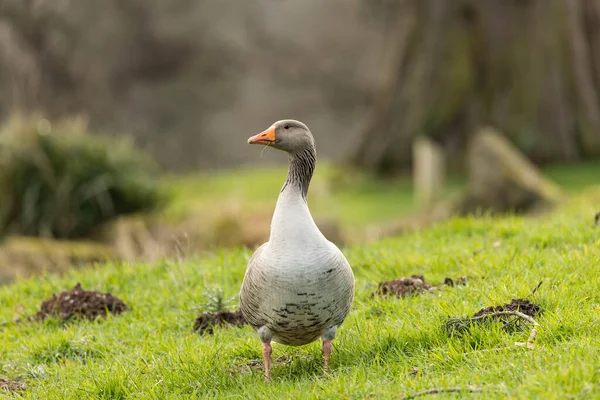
x=125, y=121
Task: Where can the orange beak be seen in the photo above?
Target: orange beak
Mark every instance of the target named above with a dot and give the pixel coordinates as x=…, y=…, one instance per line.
x=265, y=137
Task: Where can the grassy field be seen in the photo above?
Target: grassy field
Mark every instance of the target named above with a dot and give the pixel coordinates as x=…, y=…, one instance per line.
x=357, y=200
x=151, y=351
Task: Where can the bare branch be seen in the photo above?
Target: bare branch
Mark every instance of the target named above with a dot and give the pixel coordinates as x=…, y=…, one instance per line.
x=470, y=389
x=529, y=343
x=535, y=289
x=499, y=313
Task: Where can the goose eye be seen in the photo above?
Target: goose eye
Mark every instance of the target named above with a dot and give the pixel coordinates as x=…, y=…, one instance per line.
x=286, y=127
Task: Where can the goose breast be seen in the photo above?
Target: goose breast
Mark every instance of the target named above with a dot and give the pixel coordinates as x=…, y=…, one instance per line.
x=298, y=294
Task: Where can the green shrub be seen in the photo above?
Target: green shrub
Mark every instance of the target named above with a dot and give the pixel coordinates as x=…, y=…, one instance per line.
x=56, y=180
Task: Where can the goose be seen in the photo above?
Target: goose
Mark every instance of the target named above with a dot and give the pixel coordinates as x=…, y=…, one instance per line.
x=298, y=286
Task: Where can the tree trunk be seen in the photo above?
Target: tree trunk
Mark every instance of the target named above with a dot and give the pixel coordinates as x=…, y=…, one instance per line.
x=530, y=68
x=428, y=170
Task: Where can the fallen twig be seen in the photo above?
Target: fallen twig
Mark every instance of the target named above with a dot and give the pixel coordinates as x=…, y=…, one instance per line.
x=529, y=342
x=536, y=288
x=458, y=325
x=471, y=389
x=498, y=313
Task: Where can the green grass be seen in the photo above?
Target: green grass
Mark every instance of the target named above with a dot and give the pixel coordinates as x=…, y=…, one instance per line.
x=151, y=352
x=357, y=201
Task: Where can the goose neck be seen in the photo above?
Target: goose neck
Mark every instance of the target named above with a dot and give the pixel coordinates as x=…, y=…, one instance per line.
x=292, y=224
x=301, y=168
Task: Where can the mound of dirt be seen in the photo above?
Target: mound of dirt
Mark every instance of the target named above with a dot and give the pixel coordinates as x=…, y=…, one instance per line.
x=510, y=323
x=205, y=322
x=79, y=303
x=11, y=386
x=402, y=287
x=524, y=306
x=460, y=281
x=414, y=285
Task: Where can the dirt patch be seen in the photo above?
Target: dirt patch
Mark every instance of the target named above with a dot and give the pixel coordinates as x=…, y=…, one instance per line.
x=524, y=306
x=510, y=323
x=11, y=386
x=206, y=322
x=460, y=281
x=414, y=285
x=402, y=287
x=79, y=303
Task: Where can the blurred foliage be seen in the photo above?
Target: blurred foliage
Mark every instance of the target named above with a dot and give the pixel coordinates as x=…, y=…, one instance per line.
x=60, y=181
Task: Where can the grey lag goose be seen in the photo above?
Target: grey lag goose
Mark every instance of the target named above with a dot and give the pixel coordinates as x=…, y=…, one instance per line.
x=298, y=286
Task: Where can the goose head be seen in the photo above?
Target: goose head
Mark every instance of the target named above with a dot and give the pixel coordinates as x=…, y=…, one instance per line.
x=288, y=135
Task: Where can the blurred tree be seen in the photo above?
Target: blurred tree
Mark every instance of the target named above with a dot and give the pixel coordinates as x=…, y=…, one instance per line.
x=531, y=68
x=185, y=77
x=40, y=44
x=37, y=40
x=143, y=67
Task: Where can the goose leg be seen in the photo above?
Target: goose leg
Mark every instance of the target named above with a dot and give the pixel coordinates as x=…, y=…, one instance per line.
x=267, y=357
x=326, y=352
x=327, y=338
x=266, y=336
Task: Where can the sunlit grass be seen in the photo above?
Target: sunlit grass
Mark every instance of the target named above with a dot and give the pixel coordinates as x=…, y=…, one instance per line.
x=151, y=351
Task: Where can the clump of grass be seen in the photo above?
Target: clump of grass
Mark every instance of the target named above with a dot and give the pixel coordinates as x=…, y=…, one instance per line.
x=60, y=181
x=216, y=301
x=64, y=350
